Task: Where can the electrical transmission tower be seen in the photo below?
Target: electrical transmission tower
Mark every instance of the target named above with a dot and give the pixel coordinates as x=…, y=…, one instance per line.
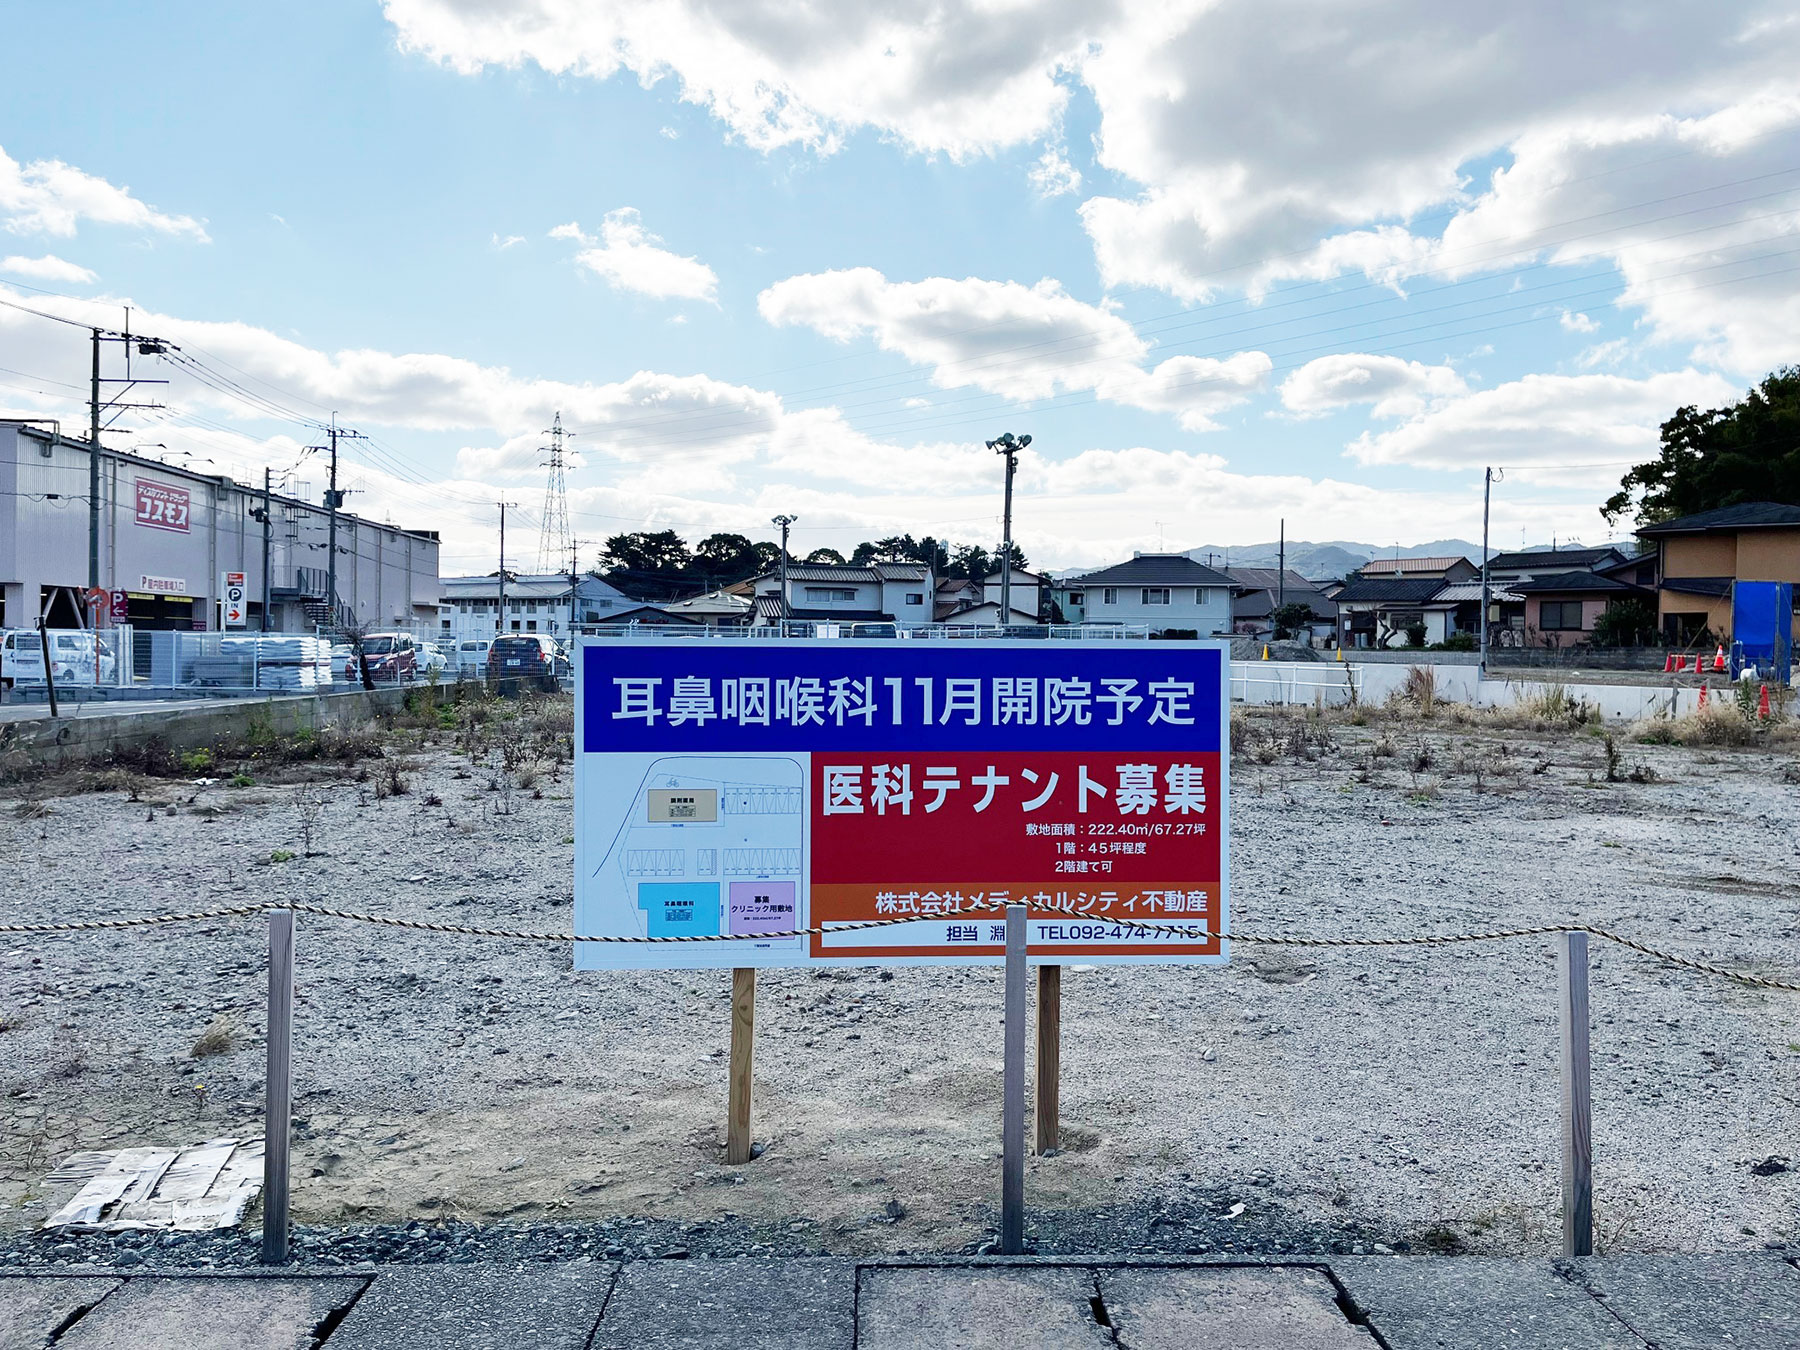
x=554, y=540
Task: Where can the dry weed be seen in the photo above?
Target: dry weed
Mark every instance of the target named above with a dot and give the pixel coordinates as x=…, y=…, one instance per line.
x=218, y=1037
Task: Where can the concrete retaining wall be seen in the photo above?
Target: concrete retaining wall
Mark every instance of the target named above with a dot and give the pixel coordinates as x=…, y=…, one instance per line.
x=1300, y=683
x=68, y=741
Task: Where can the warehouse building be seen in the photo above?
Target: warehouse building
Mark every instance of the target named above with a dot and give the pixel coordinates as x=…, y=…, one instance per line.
x=168, y=536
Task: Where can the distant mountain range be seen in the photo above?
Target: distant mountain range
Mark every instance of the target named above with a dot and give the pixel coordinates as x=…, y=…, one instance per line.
x=1334, y=558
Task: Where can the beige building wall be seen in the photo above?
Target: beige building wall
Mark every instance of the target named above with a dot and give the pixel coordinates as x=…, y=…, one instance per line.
x=1768, y=555
x=1707, y=555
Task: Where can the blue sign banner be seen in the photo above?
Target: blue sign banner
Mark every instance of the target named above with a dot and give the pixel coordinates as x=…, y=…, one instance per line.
x=722, y=697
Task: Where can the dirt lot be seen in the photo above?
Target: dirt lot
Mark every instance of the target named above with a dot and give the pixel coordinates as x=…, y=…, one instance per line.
x=1411, y=1093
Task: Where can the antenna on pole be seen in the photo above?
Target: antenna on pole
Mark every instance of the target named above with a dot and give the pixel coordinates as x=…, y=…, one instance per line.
x=554, y=540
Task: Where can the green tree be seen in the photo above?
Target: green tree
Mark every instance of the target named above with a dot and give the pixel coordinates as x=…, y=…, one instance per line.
x=768, y=556
x=1747, y=452
x=1290, y=617
x=826, y=556
x=661, y=552
x=1625, y=623
x=970, y=561
x=725, y=557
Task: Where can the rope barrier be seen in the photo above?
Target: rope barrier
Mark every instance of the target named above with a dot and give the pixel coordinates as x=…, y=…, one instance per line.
x=1187, y=931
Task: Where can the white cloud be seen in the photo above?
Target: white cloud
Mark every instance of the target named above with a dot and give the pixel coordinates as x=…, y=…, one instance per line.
x=962, y=79
x=627, y=256
x=504, y=242
x=1022, y=342
x=1546, y=420
x=1394, y=387
x=1578, y=323
x=47, y=196
x=48, y=268
x=1052, y=175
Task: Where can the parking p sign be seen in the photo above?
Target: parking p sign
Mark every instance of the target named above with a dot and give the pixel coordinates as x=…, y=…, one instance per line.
x=233, y=608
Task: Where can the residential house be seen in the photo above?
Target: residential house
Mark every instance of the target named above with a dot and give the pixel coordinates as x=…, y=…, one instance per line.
x=1260, y=591
x=1456, y=568
x=1702, y=559
x=470, y=606
x=1388, y=600
x=1561, y=609
x=1506, y=605
x=654, y=616
x=1169, y=592
x=715, y=609
x=881, y=592
x=968, y=601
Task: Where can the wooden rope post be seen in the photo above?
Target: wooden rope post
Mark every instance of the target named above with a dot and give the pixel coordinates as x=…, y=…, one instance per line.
x=278, y=1094
x=1577, y=1097
x=743, y=1044
x=1049, y=1058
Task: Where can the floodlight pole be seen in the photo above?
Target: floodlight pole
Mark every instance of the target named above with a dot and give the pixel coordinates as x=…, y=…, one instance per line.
x=1009, y=446
x=784, y=523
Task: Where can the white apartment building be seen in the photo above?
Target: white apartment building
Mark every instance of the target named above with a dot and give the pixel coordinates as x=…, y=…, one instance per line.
x=1165, y=591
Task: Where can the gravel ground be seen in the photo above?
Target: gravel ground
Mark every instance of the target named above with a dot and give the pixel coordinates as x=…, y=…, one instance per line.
x=461, y=1098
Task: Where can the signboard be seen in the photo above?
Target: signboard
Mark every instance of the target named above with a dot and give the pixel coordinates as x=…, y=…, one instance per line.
x=740, y=789
x=121, y=607
x=162, y=585
x=231, y=604
x=162, y=507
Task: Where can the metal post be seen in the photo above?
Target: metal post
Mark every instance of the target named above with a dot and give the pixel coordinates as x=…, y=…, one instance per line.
x=49, y=665
x=1006, y=544
x=1012, y=1111
x=1577, y=1097
x=331, y=502
x=278, y=1094
x=1487, y=490
x=268, y=524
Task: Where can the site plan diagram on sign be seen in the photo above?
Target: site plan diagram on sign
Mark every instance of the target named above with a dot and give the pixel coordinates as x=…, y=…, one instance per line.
x=735, y=791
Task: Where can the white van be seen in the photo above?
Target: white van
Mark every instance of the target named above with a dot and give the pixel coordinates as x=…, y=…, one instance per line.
x=72, y=657
x=472, y=655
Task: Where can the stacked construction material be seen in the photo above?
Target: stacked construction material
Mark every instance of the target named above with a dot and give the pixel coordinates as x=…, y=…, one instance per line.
x=282, y=661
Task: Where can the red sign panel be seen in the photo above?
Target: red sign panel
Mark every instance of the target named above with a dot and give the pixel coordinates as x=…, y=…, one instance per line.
x=1090, y=838
x=162, y=507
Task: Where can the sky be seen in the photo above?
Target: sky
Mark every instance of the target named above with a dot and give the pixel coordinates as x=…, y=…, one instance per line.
x=1229, y=264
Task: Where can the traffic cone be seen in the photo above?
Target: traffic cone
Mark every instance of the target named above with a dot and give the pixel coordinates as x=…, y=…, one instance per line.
x=1719, y=658
x=1762, y=705
x=1703, y=696
x=1669, y=664
x=1340, y=652
x=1265, y=651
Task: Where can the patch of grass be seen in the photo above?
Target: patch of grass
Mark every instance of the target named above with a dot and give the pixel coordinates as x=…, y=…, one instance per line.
x=219, y=1036
x=242, y=780
x=282, y=855
x=197, y=761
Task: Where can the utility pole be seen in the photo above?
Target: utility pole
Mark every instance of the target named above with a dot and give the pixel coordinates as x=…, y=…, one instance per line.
x=1008, y=446
x=574, y=578
x=784, y=522
x=1281, y=567
x=334, y=499
x=93, y=474
x=147, y=346
x=500, y=616
x=1487, y=491
x=268, y=524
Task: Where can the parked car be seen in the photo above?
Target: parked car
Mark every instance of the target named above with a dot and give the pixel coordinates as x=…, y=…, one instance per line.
x=520, y=660
x=72, y=657
x=392, y=657
x=343, y=664
x=472, y=656
x=433, y=663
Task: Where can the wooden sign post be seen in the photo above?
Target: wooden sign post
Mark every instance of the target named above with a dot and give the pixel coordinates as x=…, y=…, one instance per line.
x=743, y=1043
x=1049, y=1058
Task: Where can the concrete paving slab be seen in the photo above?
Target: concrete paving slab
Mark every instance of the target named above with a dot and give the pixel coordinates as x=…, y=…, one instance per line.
x=1700, y=1302
x=211, y=1314
x=1047, y=1308
x=1228, y=1308
x=788, y=1304
x=1487, y=1303
x=485, y=1307
x=31, y=1311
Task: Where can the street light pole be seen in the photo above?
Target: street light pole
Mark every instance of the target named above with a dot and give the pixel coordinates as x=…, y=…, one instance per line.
x=1008, y=446
x=1487, y=491
x=784, y=522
